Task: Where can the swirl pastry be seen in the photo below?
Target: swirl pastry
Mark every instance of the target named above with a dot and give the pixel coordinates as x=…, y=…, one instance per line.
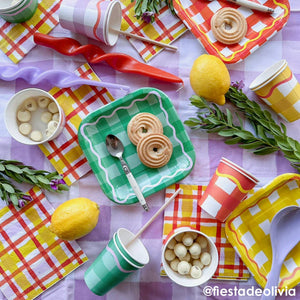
x=154, y=150
x=141, y=125
x=228, y=26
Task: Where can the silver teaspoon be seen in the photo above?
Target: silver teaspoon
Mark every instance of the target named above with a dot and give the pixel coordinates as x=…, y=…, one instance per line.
x=115, y=148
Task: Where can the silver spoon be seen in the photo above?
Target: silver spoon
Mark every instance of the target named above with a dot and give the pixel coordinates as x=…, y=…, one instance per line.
x=115, y=148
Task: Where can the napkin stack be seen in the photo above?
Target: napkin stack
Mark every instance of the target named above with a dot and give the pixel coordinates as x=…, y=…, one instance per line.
x=17, y=39
x=64, y=152
x=32, y=259
x=184, y=211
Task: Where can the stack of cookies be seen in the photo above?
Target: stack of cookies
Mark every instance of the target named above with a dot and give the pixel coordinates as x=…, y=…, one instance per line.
x=146, y=132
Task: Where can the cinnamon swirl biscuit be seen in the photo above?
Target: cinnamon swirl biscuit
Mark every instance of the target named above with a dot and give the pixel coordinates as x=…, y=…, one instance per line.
x=154, y=150
x=228, y=26
x=141, y=125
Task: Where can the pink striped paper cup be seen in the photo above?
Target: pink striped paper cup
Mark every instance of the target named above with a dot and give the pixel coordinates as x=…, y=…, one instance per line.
x=96, y=19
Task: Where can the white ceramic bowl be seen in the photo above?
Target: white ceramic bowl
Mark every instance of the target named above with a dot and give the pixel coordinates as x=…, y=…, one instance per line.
x=207, y=271
x=12, y=123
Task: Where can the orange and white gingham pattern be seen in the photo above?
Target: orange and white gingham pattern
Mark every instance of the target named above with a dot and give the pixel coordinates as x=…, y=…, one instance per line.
x=184, y=211
x=32, y=258
x=64, y=152
x=166, y=28
x=196, y=15
x=16, y=40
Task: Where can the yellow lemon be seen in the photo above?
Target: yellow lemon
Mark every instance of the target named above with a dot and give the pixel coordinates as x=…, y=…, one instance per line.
x=210, y=78
x=74, y=218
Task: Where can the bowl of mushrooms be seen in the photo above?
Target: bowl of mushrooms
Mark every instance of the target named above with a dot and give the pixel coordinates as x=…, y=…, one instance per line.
x=33, y=117
x=189, y=257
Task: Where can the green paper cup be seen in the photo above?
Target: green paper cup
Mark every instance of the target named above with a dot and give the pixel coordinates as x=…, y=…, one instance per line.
x=116, y=262
x=18, y=12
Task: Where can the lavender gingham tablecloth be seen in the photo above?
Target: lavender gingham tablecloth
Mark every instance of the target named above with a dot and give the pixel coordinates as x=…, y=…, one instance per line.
x=147, y=284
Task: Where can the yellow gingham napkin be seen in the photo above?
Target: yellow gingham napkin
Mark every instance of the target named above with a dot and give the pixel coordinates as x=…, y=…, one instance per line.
x=166, y=28
x=32, y=259
x=16, y=40
x=184, y=211
x=64, y=152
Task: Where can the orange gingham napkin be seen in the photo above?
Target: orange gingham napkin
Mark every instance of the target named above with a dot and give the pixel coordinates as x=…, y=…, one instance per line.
x=32, y=259
x=16, y=40
x=184, y=211
x=166, y=28
x=64, y=152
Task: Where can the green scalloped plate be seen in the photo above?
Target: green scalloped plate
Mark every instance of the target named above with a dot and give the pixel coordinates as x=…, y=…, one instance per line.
x=113, y=118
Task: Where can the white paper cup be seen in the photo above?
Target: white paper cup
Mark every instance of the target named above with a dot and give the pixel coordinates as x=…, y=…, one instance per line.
x=207, y=271
x=95, y=19
x=12, y=123
x=265, y=77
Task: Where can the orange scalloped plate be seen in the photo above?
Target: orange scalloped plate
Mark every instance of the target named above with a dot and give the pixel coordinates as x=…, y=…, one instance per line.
x=196, y=15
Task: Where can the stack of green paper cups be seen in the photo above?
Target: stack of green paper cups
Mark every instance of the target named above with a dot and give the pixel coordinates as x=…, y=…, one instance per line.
x=17, y=11
x=116, y=261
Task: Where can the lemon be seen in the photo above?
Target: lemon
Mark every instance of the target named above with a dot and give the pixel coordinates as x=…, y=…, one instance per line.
x=210, y=78
x=74, y=218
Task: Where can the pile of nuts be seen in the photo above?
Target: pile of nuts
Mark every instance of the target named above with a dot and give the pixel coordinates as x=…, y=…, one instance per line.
x=49, y=115
x=188, y=253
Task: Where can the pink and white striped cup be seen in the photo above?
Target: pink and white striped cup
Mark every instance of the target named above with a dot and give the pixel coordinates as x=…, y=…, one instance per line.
x=97, y=19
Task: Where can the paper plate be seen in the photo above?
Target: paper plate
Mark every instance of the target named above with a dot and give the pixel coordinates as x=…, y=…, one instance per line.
x=248, y=230
x=196, y=15
x=113, y=118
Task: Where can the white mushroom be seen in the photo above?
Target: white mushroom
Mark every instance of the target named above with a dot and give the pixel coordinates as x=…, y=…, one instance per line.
x=55, y=117
x=46, y=117
x=174, y=264
x=30, y=104
x=169, y=255
x=184, y=268
x=195, y=272
x=195, y=249
x=36, y=135
x=187, y=257
x=202, y=241
x=179, y=236
x=194, y=234
x=205, y=258
x=52, y=125
x=23, y=115
x=171, y=244
x=43, y=102
x=187, y=239
x=198, y=263
x=180, y=250
x=25, y=128
x=52, y=107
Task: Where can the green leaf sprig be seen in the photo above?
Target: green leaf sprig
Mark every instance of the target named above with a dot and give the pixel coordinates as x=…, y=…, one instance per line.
x=269, y=137
x=15, y=170
x=146, y=9
x=264, y=123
